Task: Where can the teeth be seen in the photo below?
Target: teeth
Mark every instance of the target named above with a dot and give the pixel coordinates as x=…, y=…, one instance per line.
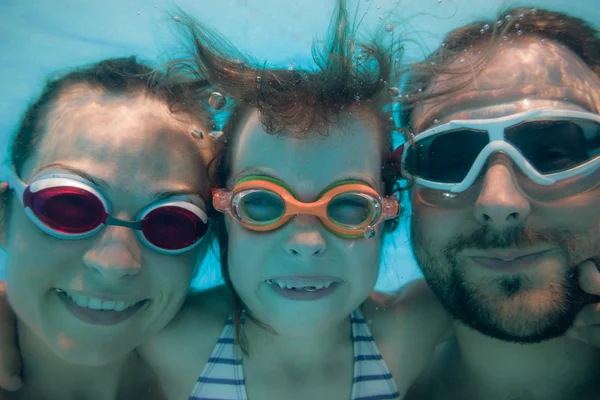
x=308, y=288
x=97, y=304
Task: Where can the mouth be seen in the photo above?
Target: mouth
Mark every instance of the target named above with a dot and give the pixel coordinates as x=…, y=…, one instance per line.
x=508, y=260
x=304, y=288
x=99, y=311
x=297, y=283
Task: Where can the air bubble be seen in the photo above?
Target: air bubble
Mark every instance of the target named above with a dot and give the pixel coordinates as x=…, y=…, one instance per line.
x=449, y=195
x=439, y=1
x=381, y=17
x=216, y=100
x=357, y=98
x=508, y=17
x=436, y=121
x=517, y=26
x=486, y=27
x=482, y=31
x=520, y=32
x=176, y=19
x=522, y=17
x=543, y=41
x=197, y=133
x=139, y=13
x=290, y=68
x=499, y=23
x=378, y=7
x=216, y=134
x=534, y=10
x=156, y=6
x=504, y=37
x=443, y=44
x=389, y=27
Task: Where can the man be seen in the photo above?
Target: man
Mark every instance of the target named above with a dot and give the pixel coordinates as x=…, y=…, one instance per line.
x=505, y=203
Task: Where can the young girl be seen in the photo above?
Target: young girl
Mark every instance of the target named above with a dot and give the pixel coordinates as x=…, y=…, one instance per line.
x=105, y=219
x=307, y=199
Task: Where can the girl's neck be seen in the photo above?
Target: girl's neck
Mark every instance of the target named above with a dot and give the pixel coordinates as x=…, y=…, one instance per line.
x=48, y=376
x=301, y=352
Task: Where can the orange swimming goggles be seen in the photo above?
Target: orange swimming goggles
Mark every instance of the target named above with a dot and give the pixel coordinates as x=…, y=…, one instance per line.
x=349, y=209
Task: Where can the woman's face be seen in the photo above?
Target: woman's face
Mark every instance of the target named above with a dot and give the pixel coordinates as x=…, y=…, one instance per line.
x=134, y=153
x=303, y=250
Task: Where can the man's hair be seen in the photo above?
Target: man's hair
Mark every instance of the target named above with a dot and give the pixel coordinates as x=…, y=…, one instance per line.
x=290, y=102
x=516, y=23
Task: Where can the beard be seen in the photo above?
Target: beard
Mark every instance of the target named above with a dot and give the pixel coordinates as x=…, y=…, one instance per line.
x=516, y=311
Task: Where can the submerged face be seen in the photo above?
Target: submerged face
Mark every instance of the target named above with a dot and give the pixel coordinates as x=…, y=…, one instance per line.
x=303, y=252
x=134, y=153
x=503, y=262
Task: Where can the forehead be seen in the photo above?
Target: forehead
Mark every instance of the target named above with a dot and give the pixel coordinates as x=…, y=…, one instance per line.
x=351, y=149
x=119, y=139
x=517, y=75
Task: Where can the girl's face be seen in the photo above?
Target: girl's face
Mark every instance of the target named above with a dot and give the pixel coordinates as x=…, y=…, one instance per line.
x=303, y=252
x=135, y=154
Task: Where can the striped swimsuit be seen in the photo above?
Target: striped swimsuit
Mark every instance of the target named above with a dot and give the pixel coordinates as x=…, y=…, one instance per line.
x=223, y=375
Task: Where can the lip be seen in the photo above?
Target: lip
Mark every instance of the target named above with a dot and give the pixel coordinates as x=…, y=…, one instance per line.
x=505, y=261
x=100, y=317
x=301, y=294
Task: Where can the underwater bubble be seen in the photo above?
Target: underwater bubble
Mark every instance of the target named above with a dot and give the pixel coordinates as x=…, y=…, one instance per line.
x=449, y=195
x=397, y=1
x=517, y=26
x=522, y=17
x=389, y=27
x=436, y=121
x=216, y=134
x=486, y=27
x=381, y=17
x=508, y=17
x=543, y=41
x=504, y=37
x=378, y=7
x=216, y=100
x=290, y=68
x=461, y=19
x=197, y=133
x=482, y=31
x=439, y=1
x=258, y=78
x=420, y=90
x=156, y=6
x=534, y=10
x=357, y=98
x=499, y=23
x=176, y=19
x=519, y=32
x=443, y=44
x=139, y=13
x=462, y=60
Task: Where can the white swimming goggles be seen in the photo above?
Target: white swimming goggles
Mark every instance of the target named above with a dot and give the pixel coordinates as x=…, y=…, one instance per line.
x=558, y=150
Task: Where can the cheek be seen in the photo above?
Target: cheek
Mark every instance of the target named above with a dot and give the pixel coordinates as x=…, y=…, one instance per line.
x=433, y=227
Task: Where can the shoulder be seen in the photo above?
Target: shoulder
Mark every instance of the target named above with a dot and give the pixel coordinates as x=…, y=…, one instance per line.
x=178, y=353
x=407, y=326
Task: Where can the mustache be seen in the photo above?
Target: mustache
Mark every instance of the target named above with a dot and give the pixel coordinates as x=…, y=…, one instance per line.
x=486, y=238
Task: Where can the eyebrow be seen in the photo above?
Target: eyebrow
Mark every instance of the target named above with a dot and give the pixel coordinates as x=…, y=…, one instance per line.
x=260, y=171
x=160, y=195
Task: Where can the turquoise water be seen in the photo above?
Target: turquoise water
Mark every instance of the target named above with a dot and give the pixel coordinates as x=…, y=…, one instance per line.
x=39, y=37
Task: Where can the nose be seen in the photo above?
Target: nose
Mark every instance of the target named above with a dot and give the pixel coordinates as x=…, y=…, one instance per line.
x=115, y=254
x=500, y=203
x=306, y=239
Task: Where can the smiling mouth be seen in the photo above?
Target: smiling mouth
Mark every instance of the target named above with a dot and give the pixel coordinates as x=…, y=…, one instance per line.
x=96, y=304
x=292, y=284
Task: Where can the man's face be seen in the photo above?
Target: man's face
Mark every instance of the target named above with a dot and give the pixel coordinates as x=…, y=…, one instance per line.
x=502, y=261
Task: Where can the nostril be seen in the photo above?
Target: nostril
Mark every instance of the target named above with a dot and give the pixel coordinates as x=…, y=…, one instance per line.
x=294, y=252
x=486, y=217
x=513, y=216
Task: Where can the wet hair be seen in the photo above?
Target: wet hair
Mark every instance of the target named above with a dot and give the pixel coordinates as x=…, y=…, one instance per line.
x=573, y=33
x=117, y=76
x=350, y=74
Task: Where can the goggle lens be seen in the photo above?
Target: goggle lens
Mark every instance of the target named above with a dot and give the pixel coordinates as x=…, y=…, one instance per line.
x=173, y=228
x=68, y=210
x=259, y=207
x=556, y=146
x=350, y=210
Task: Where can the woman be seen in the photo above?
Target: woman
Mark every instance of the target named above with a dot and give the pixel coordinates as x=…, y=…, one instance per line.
x=104, y=223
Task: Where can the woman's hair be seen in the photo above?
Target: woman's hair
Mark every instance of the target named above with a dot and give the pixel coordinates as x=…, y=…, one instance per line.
x=296, y=103
x=118, y=76
x=513, y=24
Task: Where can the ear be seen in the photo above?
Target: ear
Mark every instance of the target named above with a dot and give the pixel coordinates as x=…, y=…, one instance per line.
x=4, y=189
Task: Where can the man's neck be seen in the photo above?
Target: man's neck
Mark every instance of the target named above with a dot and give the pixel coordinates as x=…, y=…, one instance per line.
x=48, y=376
x=536, y=371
